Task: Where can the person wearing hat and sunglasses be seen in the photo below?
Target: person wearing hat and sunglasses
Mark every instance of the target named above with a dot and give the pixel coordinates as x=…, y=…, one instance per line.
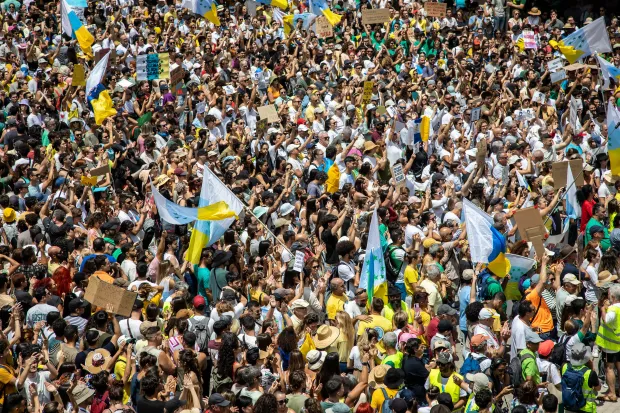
x=445, y=377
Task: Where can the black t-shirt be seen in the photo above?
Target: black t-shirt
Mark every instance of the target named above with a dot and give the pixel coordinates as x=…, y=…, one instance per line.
x=80, y=358
x=150, y=406
x=330, y=241
x=415, y=376
x=54, y=231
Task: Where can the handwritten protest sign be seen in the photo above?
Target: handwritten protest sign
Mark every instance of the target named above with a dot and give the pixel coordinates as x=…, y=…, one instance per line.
x=113, y=299
x=79, y=77
x=269, y=112
x=435, y=9
x=324, y=30
x=375, y=16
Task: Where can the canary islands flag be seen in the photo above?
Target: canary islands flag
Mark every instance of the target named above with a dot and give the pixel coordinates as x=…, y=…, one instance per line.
x=179, y=215
x=103, y=107
x=519, y=266
x=373, y=278
x=585, y=41
x=206, y=233
x=205, y=8
x=79, y=31
x=281, y=4
x=321, y=5
x=613, y=136
x=421, y=128
x=608, y=71
x=487, y=244
x=290, y=21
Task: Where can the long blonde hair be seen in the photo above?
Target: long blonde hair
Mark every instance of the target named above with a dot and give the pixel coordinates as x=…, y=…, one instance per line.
x=345, y=324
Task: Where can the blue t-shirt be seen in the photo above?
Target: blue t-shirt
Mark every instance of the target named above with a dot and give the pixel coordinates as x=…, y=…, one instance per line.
x=463, y=303
x=203, y=275
x=91, y=256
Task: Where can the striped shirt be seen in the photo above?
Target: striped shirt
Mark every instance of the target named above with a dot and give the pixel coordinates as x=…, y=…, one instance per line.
x=77, y=321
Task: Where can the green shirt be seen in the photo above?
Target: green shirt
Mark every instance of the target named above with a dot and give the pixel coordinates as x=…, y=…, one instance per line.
x=203, y=277
x=529, y=368
x=493, y=288
x=605, y=242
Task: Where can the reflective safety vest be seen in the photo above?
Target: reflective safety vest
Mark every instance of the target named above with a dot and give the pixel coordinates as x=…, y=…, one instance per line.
x=588, y=392
x=450, y=387
x=608, y=335
x=471, y=405
x=388, y=312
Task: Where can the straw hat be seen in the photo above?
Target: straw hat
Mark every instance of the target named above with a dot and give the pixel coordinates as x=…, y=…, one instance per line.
x=325, y=336
x=96, y=360
x=378, y=374
x=534, y=12
x=160, y=180
x=605, y=277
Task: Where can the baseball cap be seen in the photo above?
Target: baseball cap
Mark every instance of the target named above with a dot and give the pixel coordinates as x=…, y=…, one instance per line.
x=532, y=337
x=199, y=301
x=544, y=349
x=299, y=303
x=445, y=309
x=571, y=279
x=485, y=314
x=77, y=303
x=217, y=399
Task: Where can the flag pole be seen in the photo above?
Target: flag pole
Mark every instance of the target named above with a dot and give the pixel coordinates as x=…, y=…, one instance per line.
x=565, y=191
x=247, y=210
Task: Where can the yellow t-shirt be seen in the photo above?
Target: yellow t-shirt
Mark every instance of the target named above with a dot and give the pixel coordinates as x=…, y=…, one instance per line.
x=6, y=374
x=155, y=300
x=378, y=398
x=411, y=278
x=377, y=321
x=119, y=371
x=335, y=304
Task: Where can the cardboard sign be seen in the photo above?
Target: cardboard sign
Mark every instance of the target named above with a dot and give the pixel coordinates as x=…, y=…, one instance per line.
x=435, y=9
x=367, y=92
x=555, y=65
x=324, y=30
x=376, y=16
x=481, y=153
x=558, y=76
x=531, y=228
x=558, y=170
x=269, y=112
x=475, y=114
x=176, y=76
x=529, y=41
x=79, y=76
x=102, y=170
x=299, y=261
x=88, y=180
x=261, y=127
x=398, y=175
x=113, y=299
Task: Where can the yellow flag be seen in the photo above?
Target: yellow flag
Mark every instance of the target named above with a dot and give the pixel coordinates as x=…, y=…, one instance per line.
x=103, y=107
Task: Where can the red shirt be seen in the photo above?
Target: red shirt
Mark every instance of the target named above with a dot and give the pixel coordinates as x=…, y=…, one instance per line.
x=431, y=329
x=586, y=213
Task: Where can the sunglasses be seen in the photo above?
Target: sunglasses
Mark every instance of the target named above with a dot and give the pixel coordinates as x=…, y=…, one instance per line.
x=282, y=402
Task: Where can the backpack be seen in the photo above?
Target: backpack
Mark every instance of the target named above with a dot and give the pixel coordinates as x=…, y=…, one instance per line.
x=471, y=365
x=201, y=329
x=572, y=389
x=482, y=285
x=392, y=268
x=517, y=371
x=385, y=407
x=218, y=381
x=558, y=353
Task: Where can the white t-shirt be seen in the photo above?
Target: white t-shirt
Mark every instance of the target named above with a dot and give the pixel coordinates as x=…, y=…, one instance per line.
x=553, y=374
x=132, y=324
x=517, y=338
x=129, y=267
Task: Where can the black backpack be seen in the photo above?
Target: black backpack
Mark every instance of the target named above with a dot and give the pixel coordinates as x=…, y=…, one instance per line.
x=558, y=353
x=392, y=269
x=517, y=370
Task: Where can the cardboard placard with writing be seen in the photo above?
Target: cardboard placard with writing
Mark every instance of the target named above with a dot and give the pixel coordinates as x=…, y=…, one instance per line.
x=111, y=298
x=558, y=76
x=324, y=30
x=398, y=174
x=531, y=228
x=176, y=76
x=79, y=76
x=558, y=170
x=261, y=127
x=367, y=92
x=269, y=112
x=375, y=16
x=435, y=9
x=481, y=153
x=102, y=170
x=555, y=65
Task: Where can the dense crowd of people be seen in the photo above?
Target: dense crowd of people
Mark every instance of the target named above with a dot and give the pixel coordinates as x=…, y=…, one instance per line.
x=404, y=121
